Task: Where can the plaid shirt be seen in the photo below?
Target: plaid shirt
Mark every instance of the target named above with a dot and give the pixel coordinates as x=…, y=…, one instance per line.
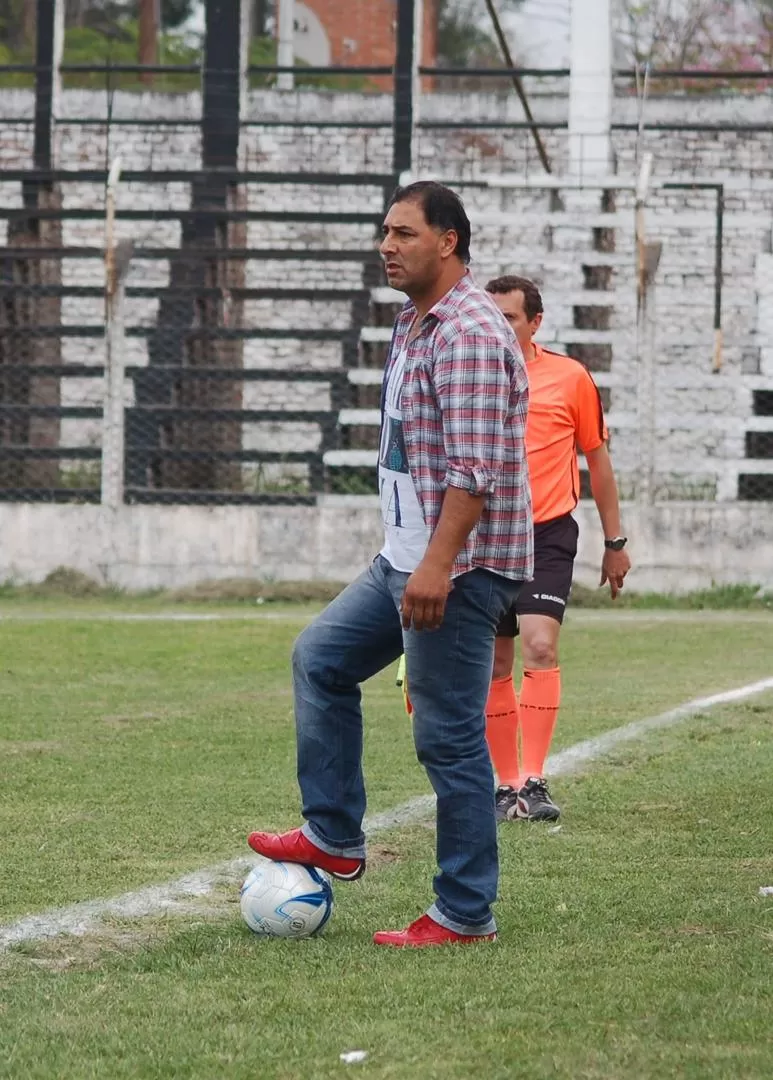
x=464, y=402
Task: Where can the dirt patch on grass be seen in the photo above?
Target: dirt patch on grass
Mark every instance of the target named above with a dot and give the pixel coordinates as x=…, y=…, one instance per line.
x=121, y=721
x=705, y=931
x=87, y=953
x=254, y=590
x=24, y=747
x=382, y=855
x=111, y=939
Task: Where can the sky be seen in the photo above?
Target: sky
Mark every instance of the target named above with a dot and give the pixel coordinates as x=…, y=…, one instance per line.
x=540, y=33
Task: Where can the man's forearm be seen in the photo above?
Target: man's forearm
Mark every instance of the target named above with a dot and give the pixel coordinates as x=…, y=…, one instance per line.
x=458, y=517
x=604, y=490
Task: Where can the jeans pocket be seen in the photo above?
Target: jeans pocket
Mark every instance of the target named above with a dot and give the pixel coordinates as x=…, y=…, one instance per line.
x=502, y=594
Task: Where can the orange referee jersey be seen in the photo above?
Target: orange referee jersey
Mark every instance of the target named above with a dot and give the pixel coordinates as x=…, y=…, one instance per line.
x=565, y=413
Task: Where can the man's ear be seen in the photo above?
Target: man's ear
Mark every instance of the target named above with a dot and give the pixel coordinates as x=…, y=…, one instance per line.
x=536, y=323
x=449, y=243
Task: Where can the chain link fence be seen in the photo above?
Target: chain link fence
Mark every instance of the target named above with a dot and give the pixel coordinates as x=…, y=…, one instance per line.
x=198, y=334
x=221, y=372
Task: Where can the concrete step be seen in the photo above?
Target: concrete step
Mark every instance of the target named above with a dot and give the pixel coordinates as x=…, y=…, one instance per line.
x=382, y=294
x=510, y=180
x=762, y=466
x=558, y=219
x=580, y=298
x=366, y=376
x=376, y=334
x=604, y=298
x=359, y=417
x=375, y=376
x=562, y=335
x=757, y=423
x=383, y=335
x=606, y=258
x=350, y=459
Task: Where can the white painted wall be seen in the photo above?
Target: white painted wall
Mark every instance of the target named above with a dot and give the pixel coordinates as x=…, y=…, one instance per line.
x=675, y=547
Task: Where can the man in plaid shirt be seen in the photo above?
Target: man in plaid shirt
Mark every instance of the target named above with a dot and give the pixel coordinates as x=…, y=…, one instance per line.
x=457, y=545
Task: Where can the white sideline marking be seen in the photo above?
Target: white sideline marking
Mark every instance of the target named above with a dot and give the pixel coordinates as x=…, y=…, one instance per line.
x=569, y=760
x=156, y=616
x=79, y=919
x=578, y=615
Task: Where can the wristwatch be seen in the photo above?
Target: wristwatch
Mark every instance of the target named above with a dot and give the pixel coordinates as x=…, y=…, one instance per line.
x=617, y=543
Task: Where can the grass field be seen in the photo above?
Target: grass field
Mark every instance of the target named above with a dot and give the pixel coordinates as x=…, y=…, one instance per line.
x=634, y=942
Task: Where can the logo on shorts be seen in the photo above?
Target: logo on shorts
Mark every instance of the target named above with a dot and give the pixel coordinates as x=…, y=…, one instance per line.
x=547, y=596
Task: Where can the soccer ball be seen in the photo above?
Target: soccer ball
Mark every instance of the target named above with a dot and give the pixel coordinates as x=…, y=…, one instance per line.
x=286, y=900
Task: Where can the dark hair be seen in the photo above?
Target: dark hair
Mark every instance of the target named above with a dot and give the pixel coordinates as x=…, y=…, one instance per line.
x=532, y=300
x=443, y=209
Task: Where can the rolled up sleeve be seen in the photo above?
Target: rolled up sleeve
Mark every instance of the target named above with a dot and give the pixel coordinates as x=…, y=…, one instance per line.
x=472, y=379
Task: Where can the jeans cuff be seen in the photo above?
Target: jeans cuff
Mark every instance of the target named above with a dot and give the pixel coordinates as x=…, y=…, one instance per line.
x=351, y=849
x=460, y=927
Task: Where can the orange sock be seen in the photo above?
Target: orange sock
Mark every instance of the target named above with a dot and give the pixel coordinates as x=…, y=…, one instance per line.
x=502, y=729
x=540, y=698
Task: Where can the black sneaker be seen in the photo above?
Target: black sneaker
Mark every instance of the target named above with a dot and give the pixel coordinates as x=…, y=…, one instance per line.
x=506, y=800
x=533, y=802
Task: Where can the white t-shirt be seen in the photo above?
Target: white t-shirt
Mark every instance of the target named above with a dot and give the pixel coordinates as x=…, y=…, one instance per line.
x=405, y=534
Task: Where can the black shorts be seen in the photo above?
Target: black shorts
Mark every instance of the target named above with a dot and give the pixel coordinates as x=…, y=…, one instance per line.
x=555, y=549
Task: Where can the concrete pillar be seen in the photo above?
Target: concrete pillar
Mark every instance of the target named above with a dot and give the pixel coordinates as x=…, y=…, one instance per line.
x=285, y=53
x=590, y=89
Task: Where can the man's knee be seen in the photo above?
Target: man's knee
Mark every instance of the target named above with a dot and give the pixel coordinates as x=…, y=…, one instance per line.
x=308, y=657
x=438, y=745
x=504, y=657
x=540, y=651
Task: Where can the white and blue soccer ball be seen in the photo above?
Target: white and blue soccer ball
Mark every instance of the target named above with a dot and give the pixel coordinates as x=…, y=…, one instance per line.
x=286, y=900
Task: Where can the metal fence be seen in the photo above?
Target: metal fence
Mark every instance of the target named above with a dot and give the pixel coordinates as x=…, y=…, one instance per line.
x=211, y=324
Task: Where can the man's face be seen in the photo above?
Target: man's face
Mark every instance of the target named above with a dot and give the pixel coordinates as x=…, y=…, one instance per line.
x=512, y=307
x=414, y=252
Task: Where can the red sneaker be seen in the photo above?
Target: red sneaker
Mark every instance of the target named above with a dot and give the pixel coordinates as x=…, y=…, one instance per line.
x=295, y=847
x=425, y=932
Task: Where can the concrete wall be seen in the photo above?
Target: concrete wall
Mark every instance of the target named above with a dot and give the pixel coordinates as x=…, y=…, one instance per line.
x=675, y=547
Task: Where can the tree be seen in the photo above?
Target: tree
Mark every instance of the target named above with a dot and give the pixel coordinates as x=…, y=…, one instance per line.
x=17, y=23
x=465, y=36
x=712, y=34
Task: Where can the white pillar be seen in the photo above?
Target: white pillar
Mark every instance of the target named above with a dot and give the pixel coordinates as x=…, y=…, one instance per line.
x=285, y=53
x=245, y=41
x=418, y=44
x=115, y=358
x=590, y=89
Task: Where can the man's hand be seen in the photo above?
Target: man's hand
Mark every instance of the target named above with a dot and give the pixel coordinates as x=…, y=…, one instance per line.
x=614, y=566
x=424, y=599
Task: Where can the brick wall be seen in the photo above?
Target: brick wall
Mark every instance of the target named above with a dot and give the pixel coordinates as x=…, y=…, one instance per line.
x=362, y=32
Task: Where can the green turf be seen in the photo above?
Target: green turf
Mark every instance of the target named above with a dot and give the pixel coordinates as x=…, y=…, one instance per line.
x=634, y=942
x=82, y=593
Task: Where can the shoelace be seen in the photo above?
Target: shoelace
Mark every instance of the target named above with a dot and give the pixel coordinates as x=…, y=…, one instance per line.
x=539, y=792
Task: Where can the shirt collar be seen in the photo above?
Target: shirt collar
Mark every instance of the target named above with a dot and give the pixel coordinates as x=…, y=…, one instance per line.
x=538, y=352
x=446, y=306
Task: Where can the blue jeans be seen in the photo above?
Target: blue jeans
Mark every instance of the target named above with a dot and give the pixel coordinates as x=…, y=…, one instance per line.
x=449, y=672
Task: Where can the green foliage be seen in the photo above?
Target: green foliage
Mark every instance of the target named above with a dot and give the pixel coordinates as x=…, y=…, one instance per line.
x=92, y=45
x=84, y=45
x=175, y=12
x=88, y=45
x=263, y=53
x=465, y=35
x=14, y=56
